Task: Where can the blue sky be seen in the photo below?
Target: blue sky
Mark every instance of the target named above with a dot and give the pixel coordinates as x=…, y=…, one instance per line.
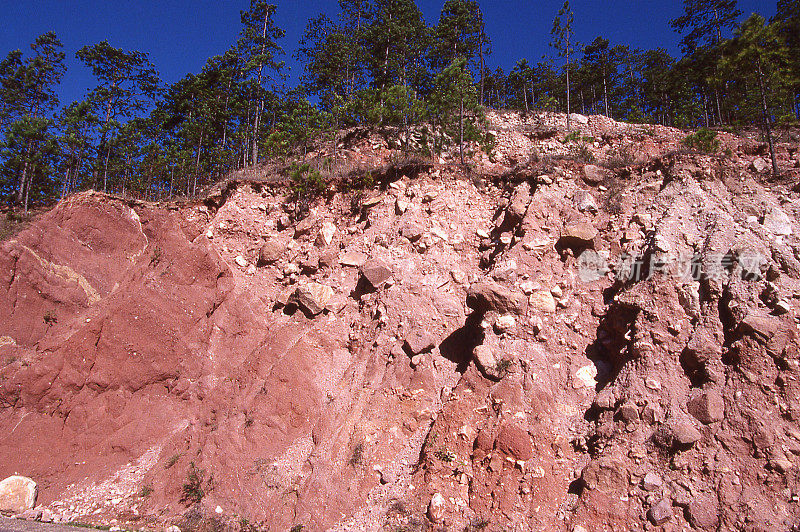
x=180, y=35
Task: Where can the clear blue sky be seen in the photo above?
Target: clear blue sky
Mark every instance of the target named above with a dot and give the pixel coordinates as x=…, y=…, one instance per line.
x=180, y=35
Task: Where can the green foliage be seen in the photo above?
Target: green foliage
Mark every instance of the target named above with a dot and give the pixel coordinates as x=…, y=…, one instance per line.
x=192, y=491
x=172, y=460
x=445, y=455
x=306, y=186
x=704, y=140
x=50, y=318
x=146, y=491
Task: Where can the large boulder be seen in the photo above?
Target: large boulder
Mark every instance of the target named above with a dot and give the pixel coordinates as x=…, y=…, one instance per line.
x=271, y=252
x=17, y=494
x=594, y=174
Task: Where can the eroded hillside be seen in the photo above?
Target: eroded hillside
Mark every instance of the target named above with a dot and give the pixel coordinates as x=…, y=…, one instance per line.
x=536, y=344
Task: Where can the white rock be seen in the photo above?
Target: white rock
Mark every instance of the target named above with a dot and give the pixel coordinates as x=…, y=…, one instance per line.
x=218, y=510
x=17, y=494
x=326, y=233
x=436, y=507
x=585, y=377
x=241, y=261
x=778, y=222
x=505, y=323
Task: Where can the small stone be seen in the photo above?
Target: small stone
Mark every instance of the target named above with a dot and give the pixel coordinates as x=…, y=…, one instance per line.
x=585, y=377
x=270, y=252
x=782, y=307
x=419, y=341
x=778, y=222
x=487, y=296
x=304, y=226
x=241, y=261
x=354, y=259
x=707, y=407
x=482, y=234
x=759, y=165
x=578, y=234
x=371, y=202
x=251, y=269
x=653, y=384
x=17, y=494
x=313, y=297
x=515, y=442
x=375, y=272
x=430, y=196
x=436, y=508
x=218, y=510
x=661, y=512
x=326, y=234
x=684, y=432
x=557, y=292
x=628, y=412
x=652, y=482
x=486, y=361
x=412, y=232
x=586, y=202
x=703, y=512
x=542, y=301
x=594, y=174
x=505, y=323
x=400, y=206
x=172, y=528
x=387, y=477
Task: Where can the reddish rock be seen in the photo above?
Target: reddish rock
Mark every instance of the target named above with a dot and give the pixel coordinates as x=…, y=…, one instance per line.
x=707, y=407
x=487, y=296
x=375, y=272
x=515, y=442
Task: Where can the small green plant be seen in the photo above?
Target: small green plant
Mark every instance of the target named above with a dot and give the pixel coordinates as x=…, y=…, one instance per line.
x=193, y=487
x=155, y=258
x=50, y=318
x=171, y=461
x=503, y=366
x=146, y=491
x=297, y=528
x=445, y=455
x=583, y=154
x=306, y=186
x=705, y=140
x=576, y=136
x=357, y=456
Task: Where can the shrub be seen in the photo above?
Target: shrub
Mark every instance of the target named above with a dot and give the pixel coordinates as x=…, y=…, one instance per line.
x=306, y=186
x=193, y=488
x=705, y=140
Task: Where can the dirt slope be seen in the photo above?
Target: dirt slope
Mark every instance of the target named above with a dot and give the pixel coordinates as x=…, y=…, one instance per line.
x=443, y=352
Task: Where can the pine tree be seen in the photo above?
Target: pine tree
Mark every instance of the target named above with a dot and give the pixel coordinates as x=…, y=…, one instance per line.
x=562, y=34
x=127, y=82
x=757, y=52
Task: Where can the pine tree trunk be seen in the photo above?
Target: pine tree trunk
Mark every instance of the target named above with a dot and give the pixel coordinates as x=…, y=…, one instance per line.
x=765, y=111
x=24, y=176
x=461, y=128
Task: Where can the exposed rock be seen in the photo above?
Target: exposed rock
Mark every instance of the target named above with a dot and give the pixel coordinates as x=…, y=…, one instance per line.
x=241, y=261
x=707, y=407
x=419, y=341
x=355, y=259
x=313, y=297
x=660, y=512
x=270, y=252
x=437, y=507
x=514, y=441
x=542, y=301
x=326, y=234
x=17, y=494
x=594, y=174
x=778, y=222
x=375, y=272
x=759, y=165
x=489, y=296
